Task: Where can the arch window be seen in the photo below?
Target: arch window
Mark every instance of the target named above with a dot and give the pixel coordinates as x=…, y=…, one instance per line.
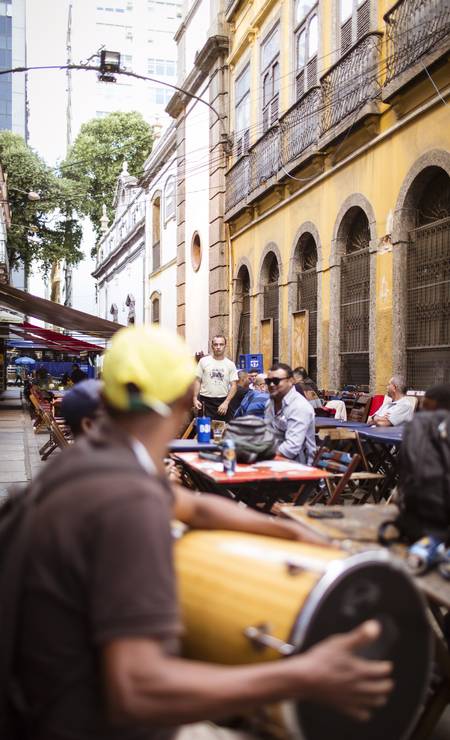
x=428, y=285
x=156, y=232
x=169, y=198
x=156, y=309
x=355, y=294
x=307, y=45
x=306, y=265
x=271, y=300
x=354, y=22
x=114, y=312
x=244, y=316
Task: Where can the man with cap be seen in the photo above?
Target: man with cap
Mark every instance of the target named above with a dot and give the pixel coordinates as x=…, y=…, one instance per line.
x=81, y=408
x=98, y=653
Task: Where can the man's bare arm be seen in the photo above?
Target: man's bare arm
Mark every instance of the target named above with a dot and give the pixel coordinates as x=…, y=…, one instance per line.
x=197, y=403
x=223, y=408
x=207, y=511
x=142, y=683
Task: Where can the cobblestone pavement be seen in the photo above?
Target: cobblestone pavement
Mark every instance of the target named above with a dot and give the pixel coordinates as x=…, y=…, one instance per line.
x=19, y=446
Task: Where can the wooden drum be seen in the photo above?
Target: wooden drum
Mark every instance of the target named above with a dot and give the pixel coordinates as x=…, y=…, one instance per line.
x=247, y=598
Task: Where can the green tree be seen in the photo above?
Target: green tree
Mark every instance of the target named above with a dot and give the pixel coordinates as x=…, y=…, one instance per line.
x=95, y=159
x=43, y=230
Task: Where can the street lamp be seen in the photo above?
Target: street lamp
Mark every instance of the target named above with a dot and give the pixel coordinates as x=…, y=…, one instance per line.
x=109, y=64
x=31, y=194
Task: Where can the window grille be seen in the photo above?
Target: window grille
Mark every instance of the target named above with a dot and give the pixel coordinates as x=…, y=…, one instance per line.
x=243, y=342
x=428, y=289
x=271, y=305
x=307, y=291
x=355, y=294
x=155, y=311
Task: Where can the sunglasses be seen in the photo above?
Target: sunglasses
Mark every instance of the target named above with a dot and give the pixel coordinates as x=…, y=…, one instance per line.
x=276, y=381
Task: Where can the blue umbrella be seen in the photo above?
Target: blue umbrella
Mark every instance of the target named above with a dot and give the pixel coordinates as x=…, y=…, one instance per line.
x=24, y=361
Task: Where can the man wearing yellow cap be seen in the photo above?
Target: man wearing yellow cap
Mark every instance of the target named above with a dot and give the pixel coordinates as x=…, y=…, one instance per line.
x=100, y=623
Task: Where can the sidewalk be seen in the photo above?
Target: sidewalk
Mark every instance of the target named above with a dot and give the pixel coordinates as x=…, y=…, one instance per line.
x=19, y=446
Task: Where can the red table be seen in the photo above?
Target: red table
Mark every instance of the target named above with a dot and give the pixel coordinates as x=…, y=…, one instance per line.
x=263, y=482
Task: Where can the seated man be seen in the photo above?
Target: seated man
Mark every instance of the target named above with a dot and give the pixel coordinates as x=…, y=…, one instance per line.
x=302, y=378
x=290, y=416
x=254, y=403
x=396, y=409
x=242, y=390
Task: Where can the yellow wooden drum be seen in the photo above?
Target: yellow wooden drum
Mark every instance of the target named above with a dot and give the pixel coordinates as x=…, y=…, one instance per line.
x=248, y=598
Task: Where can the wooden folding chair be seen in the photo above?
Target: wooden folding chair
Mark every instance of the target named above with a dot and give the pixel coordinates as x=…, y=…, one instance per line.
x=57, y=438
x=341, y=465
x=362, y=483
x=360, y=409
x=39, y=409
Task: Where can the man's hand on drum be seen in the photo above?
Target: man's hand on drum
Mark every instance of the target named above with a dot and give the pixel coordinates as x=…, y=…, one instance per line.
x=340, y=678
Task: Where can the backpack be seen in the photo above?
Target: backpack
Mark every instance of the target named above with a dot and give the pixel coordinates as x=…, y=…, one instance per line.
x=424, y=477
x=253, y=439
x=16, y=517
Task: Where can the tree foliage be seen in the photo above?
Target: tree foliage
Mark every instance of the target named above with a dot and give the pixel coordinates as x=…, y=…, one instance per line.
x=43, y=230
x=95, y=159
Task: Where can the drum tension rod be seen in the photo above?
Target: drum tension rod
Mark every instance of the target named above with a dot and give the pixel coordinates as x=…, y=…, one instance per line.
x=261, y=638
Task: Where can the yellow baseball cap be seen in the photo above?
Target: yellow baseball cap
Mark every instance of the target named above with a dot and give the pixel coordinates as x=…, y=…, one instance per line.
x=157, y=362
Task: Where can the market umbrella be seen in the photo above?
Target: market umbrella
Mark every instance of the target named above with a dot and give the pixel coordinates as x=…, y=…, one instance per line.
x=24, y=361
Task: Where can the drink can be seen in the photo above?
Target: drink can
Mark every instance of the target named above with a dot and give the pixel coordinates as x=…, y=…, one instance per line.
x=229, y=456
x=203, y=429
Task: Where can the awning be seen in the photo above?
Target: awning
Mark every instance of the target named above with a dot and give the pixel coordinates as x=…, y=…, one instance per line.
x=55, y=313
x=53, y=339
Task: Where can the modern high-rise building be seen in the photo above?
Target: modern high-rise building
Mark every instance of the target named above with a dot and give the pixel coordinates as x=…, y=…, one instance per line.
x=13, y=108
x=75, y=30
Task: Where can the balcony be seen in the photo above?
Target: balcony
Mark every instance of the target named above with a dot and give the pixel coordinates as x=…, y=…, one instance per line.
x=350, y=87
x=265, y=158
x=237, y=180
x=4, y=262
x=416, y=30
x=300, y=126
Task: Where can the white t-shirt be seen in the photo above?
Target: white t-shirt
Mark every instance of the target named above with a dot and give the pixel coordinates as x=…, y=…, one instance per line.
x=398, y=412
x=215, y=376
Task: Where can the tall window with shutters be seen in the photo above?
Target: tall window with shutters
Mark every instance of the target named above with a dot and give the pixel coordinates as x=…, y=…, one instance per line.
x=270, y=66
x=306, y=45
x=242, y=112
x=354, y=22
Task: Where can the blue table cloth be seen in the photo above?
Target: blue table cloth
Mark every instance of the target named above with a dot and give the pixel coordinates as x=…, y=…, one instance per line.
x=383, y=435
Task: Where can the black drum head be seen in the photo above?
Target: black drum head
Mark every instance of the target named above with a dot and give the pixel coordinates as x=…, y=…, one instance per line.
x=369, y=586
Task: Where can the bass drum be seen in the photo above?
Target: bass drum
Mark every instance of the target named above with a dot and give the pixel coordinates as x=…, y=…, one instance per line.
x=247, y=599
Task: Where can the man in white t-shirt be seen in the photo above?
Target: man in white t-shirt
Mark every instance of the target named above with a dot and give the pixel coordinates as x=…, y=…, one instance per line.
x=396, y=408
x=216, y=382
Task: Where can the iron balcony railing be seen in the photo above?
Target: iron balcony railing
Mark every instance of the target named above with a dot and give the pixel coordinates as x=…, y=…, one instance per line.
x=413, y=29
x=351, y=82
x=265, y=158
x=300, y=126
x=237, y=183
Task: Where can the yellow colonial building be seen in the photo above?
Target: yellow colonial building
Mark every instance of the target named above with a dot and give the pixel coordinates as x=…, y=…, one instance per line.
x=338, y=187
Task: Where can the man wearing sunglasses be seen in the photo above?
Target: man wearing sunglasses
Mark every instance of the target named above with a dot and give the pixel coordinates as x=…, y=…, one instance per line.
x=290, y=416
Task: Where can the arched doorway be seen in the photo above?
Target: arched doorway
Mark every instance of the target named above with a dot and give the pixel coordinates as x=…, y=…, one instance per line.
x=242, y=304
x=428, y=284
x=305, y=259
x=355, y=295
x=271, y=300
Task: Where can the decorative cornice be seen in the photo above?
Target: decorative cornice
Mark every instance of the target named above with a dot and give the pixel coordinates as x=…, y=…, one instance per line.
x=214, y=47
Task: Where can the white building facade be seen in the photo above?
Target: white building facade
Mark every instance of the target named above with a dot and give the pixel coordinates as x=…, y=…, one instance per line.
x=202, y=278
x=120, y=268
x=160, y=180
x=136, y=268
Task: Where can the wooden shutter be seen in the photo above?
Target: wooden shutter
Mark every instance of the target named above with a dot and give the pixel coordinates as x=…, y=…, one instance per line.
x=311, y=72
x=363, y=19
x=346, y=35
x=300, y=84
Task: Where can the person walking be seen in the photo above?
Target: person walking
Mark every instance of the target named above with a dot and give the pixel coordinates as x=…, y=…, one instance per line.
x=216, y=382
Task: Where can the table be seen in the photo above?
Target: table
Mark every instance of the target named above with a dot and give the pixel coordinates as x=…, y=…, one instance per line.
x=253, y=484
x=358, y=531
x=322, y=422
